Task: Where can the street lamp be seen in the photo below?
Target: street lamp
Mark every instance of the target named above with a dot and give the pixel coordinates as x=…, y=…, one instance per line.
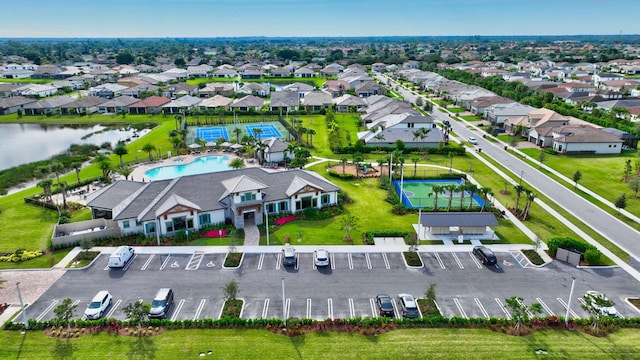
x=521, y=174
x=566, y=318
x=266, y=214
x=284, y=306
x=24, y=311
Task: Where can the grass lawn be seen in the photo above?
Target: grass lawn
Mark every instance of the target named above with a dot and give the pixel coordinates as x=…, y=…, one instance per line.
x=43, y=261
x=601, y=174
x=472, y=117
x=456, y=110
x=255, y=344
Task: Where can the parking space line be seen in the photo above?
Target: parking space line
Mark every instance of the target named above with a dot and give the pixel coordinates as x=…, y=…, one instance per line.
x=165, y=262
x=352, y=309
x=287, y=304
x=308, y=309
x=564, y=304
x=313, y=265
x=126, y=266
x=386, y=261
x=177, y=310
x=330, y=308
x=368, y=259
x=526, y=309
x=519, y=260
x=194, y=262
x=260, y=261
x=396, y=308
x=503, y=308
x=475, y=260
x=265, y=309
x=107, y=266
x=146, y=264
x=439, y=260
x=297, y=261
x=373, y=307
x=279, y=261
x=437, y=306
x=113, y=308
x=41, y=316
x=199, y=309
x=484, y=311
x=455, y=257
x=333, y=261
x=545, y=307
x=459, y=306
x=350, y=259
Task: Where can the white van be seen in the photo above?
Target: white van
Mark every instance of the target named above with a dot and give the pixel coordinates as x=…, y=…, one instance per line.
x=121, y=256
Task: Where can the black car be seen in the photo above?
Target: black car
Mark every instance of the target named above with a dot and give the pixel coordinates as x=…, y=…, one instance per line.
x=485, y=255
x=385, y=305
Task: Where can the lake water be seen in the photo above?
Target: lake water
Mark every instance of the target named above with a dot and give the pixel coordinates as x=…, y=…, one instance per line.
x=25, y=143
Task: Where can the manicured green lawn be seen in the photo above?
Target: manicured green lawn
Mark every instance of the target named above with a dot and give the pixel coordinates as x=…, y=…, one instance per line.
x=601, y=174
x=472, y=117
x=456, y=110
x=261, y=344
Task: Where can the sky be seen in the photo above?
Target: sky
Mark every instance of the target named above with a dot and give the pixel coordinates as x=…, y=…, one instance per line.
x=311, y=18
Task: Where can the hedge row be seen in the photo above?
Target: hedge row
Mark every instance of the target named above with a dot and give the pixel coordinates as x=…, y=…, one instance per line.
x=591, y=254
x=441, y=150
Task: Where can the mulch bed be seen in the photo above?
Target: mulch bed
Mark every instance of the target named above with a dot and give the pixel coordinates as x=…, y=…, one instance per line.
x=216, y=233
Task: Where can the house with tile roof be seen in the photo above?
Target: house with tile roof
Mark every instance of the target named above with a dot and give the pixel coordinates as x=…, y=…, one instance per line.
x=317, y=100
x=12, y=104
x=386, y=131
x=248, y=103
x=150, y=105
x=85, y=105
x=197, y=201
x=185, y=103
x=284, y=101
x=47, y=106
x=585, y=139
x=215, y=102
x=118, y=105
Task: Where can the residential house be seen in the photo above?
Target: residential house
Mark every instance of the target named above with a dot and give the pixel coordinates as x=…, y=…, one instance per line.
x=537, y=125
x=480, y=104
x=379, y=106
x=180, y=89
x=370, y=88
x=226, y=73
x=255, y=89
x=248, y=103
x=329, y=72
x=585, y=139
x=349, y=103
x=284, y=101
x=577, y=87
x=200, y=71
x=498, y=113
x=304, y=72
x=117, y=105
x=85, y=105
x=280, y=73
x=12, y=105
x=301, y=88
x=36, y=90
x=140, y=91
x=181, y=104
x=196, y=201
x=176, y=74
x=604, y=77
x=131, y=81
x=216, y=102
x=275, y=151
x=150, y=105
x=47, y=106
x=251, y=74
x=107, y=91
x=336, y=87
x=378, y=67
x=46, y=71
x=386, y=131
x=317, y=100
x=7, y=89
x=355, y=80
x=629, y=141
x=216, y=88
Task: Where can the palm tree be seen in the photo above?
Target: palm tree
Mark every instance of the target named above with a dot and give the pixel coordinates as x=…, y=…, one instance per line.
x=530, y=197
x=486, y=192
x=450, y=188
x=63, y=190
x=45, y=184
x=237, y=131
x=123, y=170
x=149, y=148
x=436, y=190
x=57, y=168
x=257, y=132
x=379, y=137
x=462, y=188
x=421, y=133
x=120, y=150
x=77, y=166
x=415, y=160
x=473, y=189
x=201, y=142
x=519, y=189
x=237, y=163
x=344, y=161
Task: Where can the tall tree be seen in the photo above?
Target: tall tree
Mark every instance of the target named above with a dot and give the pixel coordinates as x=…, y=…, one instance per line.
x=124, y=170
x=519, y=190
x=344, y=160
x=436, y=190
x=486, y=192
x=64, y=312
x=45, y=184
x=620, y=203
x=349, y=223
x=576, y=177
x=594, y=304
x=531, y=196
x=634, y=185
x=77, y=166
x=520, y=312
x=137, y=312
x=415, y=160
x=149, y=148
x=120, y=149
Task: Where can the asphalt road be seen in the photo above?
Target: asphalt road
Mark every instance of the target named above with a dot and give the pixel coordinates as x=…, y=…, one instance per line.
x=347, y=288
x=599, y=220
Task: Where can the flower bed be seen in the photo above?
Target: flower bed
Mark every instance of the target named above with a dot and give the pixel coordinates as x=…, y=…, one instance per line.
x=220, y=233
x=286, y=219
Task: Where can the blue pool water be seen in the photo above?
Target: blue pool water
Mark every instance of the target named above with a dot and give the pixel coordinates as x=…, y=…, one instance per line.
x=201, y=165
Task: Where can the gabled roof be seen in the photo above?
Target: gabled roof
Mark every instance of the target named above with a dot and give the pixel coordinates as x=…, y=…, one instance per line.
x=299, y=87
x=86, y=102
x=275, y=144
x=217, y=101
x=240, y=184
x=298, y=184
x=151, y=101
x=248, y=101
x=317, y=98
x=583, y=134
x=50, y=103
x=173, y=201
x=284, y=99
x=349, y=100
x=110, y=196
x=185, y=101
x=120, y=101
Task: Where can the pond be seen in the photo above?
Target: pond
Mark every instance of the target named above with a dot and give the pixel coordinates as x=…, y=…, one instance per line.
x=25, y=143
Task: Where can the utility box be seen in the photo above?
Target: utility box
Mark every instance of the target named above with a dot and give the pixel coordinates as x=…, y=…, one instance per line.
x=572, y=257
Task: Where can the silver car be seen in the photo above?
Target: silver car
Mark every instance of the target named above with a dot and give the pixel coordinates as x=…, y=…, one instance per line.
x=322, y=257
x=98, y=306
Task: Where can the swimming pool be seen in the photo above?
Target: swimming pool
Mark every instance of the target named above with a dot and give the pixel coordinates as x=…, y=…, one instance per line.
x=201, y=165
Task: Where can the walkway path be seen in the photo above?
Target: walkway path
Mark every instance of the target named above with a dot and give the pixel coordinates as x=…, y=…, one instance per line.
x=251, y=234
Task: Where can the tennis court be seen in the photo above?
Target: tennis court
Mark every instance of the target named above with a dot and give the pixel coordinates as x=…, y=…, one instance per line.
x=419, y=194
x=212, y=133
x=267, y=131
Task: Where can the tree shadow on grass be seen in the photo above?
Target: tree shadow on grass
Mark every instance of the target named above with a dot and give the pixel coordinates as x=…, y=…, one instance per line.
x=63, y=349
x=142, y=348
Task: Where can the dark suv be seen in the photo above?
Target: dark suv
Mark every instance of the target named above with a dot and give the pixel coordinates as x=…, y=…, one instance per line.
x=161, y=303
x=485, y=255
x=385, y=305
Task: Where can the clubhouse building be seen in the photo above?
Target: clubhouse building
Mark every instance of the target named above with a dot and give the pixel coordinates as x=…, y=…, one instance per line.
x=193, y=202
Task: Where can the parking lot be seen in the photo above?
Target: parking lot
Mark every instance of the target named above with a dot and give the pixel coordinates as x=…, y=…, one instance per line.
x=346, y=288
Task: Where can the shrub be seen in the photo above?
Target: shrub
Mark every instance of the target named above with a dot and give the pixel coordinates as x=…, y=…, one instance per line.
x=21, y=255
x=592, y=256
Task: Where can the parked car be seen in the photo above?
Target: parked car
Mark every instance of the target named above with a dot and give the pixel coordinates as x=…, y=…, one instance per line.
x=385, y=305
x=322, y=257
x=121, y=256
x=288, y=255
x=472, y=140
x=485, y=255
x=604, y=310
x=98, y=305
x=161, y=303
x=408, y=305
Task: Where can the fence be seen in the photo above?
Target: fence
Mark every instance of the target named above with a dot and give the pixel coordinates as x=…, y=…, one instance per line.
x=74, y=233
